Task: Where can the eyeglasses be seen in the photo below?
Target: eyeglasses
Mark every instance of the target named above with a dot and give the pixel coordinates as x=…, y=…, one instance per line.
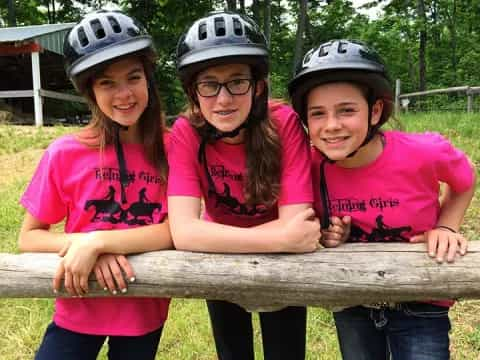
x=234, y=87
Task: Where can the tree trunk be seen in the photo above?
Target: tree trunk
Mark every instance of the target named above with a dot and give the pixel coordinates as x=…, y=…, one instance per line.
x=435, y=31
x=308, y=31
x=302, y=17
x=49, y=14
x=267, y=20
x=351, y=274
x=422, y=48
x=256, y=11
x=453, y=41
x=54, y=13
x=12, y=19
x=232, y=5
x=241, y=4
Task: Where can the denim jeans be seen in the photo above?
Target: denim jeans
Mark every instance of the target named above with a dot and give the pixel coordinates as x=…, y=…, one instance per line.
x=409, y=331
x=63, y=344
x=283, y=332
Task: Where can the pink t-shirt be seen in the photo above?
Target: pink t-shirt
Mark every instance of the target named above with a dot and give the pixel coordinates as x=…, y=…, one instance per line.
x=76, y=183
x=396, y=196
x=227, y=168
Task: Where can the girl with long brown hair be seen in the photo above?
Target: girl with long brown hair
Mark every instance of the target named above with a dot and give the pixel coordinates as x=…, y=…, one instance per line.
x=248, y=158
x=108, y=183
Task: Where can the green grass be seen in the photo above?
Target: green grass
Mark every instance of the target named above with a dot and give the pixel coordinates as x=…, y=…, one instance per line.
x=187, y=333
x=462, y=129
x=14, y=139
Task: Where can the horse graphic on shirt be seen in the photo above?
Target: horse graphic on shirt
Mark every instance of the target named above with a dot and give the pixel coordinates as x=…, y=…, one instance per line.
x=381, y=233
x=108, y=210
x=234, y=206
x=143, y=210
x=107, y=207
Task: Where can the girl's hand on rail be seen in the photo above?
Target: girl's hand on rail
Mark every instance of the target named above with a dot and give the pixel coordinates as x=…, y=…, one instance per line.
x=338, y=232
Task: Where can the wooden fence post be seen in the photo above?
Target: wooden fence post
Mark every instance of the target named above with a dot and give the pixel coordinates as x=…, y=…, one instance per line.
x=469, y=100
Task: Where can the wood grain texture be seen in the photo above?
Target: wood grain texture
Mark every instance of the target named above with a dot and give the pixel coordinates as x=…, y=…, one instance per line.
x=349, y=275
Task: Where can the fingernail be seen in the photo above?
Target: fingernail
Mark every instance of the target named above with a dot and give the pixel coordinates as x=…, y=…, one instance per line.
x=431, y=254
x=105, y=289
x=124, y=290
x=132, y=279
x=55, y=291
x=114, y=292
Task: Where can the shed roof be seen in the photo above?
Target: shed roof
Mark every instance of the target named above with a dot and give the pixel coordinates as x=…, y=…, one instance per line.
x=49, y=36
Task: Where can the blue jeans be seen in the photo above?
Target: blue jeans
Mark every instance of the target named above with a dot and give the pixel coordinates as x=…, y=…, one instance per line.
x=62, y=344
x=409, y=331
x=283, y=332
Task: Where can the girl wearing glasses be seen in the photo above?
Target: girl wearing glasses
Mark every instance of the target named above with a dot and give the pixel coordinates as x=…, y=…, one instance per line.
x=249, y=160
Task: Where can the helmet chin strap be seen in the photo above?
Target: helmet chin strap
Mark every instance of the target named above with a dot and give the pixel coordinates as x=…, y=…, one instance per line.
x=371, y=130
x=324, y=197
x=121, y=160
x=212, y=133
x=122, y=166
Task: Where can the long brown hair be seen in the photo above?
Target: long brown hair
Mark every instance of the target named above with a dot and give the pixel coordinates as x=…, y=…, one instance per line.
x=262, y=184
x=100, y=131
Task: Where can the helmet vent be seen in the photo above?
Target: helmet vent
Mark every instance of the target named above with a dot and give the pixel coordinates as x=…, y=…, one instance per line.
x=342, y=47
x=114, y=24
x=97, y=29
x=324, y=50
x=220, y=26
x=82, y=37
x=237, y=27
x=133, y=31
x=202, y=31
x=307, y=57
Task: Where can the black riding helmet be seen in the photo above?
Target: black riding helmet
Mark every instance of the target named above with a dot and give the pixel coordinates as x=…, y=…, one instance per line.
x=99, y=37
x=342, y=60
x=221, y=38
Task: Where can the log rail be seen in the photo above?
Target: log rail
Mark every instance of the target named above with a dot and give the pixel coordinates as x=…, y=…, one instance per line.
x=349, y=275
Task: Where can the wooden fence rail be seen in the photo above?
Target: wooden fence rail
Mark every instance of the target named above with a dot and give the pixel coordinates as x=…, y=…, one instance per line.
x=348, y=275
x=469, y=91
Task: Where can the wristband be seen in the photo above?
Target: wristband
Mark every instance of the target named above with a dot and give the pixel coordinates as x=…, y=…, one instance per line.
x=445, y=228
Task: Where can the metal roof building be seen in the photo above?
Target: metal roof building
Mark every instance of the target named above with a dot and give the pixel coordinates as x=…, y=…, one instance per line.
x=48, y=36
x=31, y=64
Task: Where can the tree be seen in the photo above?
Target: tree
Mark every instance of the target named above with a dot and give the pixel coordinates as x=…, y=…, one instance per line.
x=267, y=20
x=12, y=21
x=422, y=19
x=232, y=5
x=302, y=17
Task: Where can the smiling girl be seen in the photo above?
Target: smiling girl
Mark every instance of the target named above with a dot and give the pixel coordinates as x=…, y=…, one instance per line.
x=387, y=182
x=96, y=181
x=249, y=160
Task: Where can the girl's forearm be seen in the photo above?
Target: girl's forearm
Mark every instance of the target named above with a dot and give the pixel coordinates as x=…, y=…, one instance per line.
x=42, y=240
x=205, y=236
x=127, y=241
x=37, y=237
x=273, y=236
x=454, y=206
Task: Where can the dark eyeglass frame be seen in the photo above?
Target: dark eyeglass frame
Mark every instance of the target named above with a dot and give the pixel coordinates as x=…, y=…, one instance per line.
x=225, y=85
